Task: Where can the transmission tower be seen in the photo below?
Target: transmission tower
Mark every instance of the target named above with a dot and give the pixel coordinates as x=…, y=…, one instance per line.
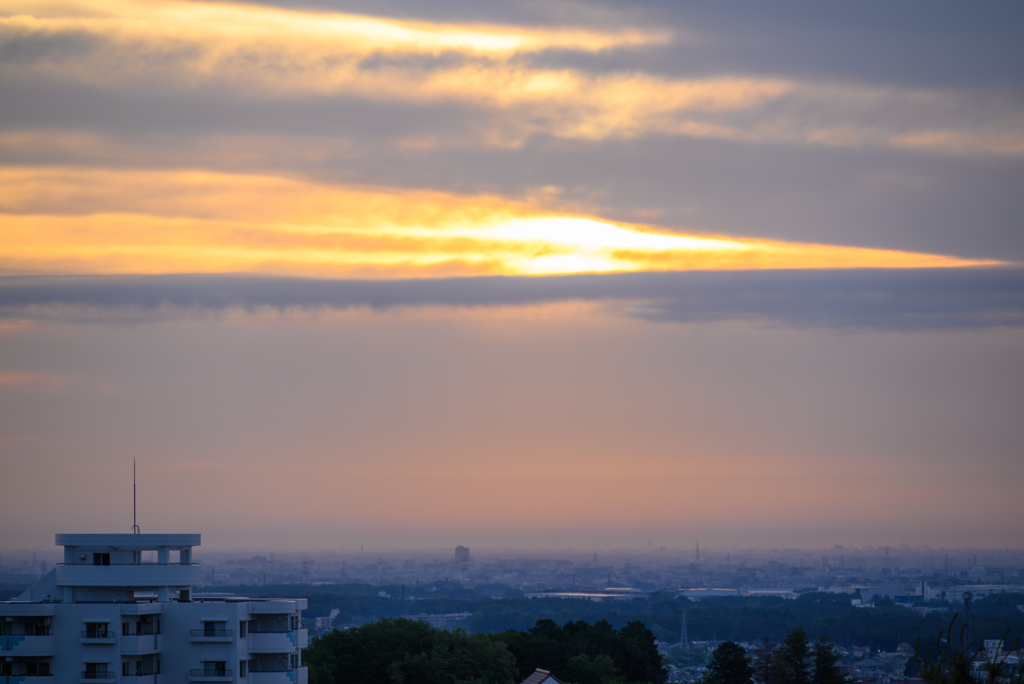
x=684, y=639
x=968, y=601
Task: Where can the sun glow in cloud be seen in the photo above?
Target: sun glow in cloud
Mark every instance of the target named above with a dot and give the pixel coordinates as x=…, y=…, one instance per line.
x=228, y=26
x=203, y=222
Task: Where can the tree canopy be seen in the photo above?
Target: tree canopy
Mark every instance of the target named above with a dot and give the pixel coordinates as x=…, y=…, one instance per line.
x=405, y=651
x=826, y=663
x=729, y=664
x=794, y=661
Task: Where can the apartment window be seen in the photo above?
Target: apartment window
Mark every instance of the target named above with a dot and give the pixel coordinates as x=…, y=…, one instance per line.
x=242, y=666
x=126, y=668
x=243, y=628
x=215, y=629
x=138, y=668
x=37, y=669
x=96, y=671
x=96, y=630
x=124, y=630
x=101, y=559
x=215, y=668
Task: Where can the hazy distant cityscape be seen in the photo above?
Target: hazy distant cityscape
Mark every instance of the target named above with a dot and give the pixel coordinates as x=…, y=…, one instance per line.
x=691, y=600
x=741, y=571
x=696, y=572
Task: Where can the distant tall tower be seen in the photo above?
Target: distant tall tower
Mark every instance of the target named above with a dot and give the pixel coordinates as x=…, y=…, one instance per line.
x=698, y=550
x=462, y=557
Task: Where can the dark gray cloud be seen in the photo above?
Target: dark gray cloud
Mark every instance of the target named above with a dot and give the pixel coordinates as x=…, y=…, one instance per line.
x=870, y=299
x=947, y=44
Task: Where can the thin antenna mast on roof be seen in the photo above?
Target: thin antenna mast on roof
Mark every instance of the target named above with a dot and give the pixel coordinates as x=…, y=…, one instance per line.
x=135, y=527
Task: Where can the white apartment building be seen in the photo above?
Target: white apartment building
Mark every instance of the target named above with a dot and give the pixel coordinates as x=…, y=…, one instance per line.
x=120, y=609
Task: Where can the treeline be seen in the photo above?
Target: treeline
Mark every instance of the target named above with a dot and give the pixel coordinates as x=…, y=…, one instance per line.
x=794, y=660
x=412, y=652
x=737, y=618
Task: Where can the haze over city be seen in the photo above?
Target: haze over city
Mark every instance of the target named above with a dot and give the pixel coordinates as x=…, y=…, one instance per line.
x=573, y=277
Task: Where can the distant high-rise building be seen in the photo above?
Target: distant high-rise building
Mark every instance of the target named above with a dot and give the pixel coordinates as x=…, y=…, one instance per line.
x=104, y=615
x=461, y=554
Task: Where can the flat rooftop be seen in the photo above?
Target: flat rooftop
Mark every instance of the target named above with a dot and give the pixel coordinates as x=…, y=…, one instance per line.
x=142, y=542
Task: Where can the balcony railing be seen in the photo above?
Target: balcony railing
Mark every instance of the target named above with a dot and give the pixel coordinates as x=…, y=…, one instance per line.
x=211, y=673
x=211, y=633
x=269, y=668
x=270, y=630
x=147, y=576
x=98, y=674
x=109, y=634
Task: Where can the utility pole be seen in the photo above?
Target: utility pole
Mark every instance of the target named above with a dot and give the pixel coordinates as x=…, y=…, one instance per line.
x=135, y=527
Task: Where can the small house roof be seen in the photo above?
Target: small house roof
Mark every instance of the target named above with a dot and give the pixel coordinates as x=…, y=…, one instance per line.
x=540, y=676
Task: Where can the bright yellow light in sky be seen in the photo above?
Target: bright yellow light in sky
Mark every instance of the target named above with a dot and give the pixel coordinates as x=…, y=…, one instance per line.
x=228, y=25
x=113, y=221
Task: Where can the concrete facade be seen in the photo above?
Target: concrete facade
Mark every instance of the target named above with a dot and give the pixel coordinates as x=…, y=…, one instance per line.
x=106, y=616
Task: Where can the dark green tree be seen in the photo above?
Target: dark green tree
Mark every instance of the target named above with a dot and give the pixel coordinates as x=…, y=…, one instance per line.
x=407, y=652
x=729, y=665
x=795, y=652
x=582, y=669
x=641, y=661
x=768, y=663
x=825, y=658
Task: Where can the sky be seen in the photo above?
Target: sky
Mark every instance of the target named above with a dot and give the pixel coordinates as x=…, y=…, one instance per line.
x=521, y=274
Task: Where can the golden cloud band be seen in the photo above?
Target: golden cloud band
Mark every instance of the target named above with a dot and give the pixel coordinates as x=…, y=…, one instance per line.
x=116, y=221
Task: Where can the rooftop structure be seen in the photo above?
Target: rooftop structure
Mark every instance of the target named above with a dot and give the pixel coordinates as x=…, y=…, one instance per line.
x=106, y=615
x=540, y=676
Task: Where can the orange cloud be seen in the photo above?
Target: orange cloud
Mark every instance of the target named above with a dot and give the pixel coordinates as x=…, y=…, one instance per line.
x=191, y=221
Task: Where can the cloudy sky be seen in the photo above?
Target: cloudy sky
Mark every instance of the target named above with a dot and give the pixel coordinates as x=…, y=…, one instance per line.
x=513, y=274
